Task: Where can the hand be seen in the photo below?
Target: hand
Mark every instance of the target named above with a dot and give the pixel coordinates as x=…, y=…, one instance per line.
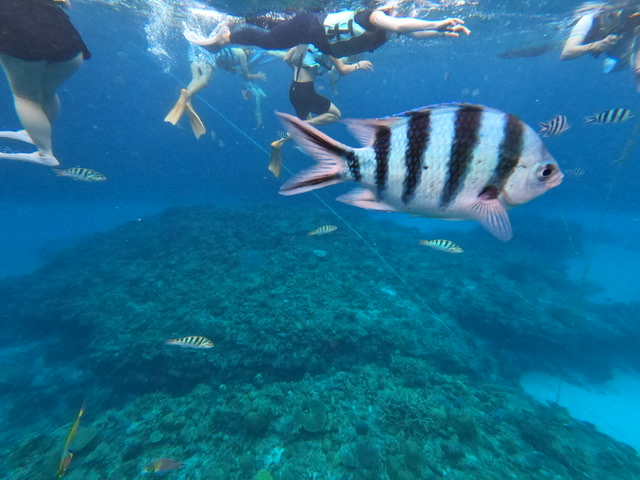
x=451, y=27
x=260, y=76
x=364, y=65
x=606, y=43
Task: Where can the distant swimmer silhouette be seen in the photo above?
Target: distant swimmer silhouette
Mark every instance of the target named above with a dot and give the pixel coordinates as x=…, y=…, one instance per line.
x=530, y=51
x=39, y=50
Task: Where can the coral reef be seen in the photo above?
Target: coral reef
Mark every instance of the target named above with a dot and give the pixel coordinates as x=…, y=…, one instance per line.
x=325, y=366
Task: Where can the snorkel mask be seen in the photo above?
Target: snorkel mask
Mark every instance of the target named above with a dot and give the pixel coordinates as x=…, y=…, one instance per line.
x=63, y=3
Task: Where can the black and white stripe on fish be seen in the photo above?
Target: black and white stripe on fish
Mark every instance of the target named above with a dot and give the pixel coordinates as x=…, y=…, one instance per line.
x=417, y=140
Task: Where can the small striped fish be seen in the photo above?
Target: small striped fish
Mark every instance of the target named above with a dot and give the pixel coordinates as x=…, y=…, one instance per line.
x=451, y=161
x=615, y=115
x=79, y=173
x=323, y=230
x=553, y=127
x=443, y=245
x=193, y=341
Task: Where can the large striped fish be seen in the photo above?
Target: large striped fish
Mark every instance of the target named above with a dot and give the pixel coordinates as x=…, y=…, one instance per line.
x=451, y=161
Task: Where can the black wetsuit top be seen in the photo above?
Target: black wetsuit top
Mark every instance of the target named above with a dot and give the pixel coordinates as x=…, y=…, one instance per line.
x=38, y=30
x=307, y=27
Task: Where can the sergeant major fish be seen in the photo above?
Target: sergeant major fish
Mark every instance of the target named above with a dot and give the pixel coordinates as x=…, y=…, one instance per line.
x=323, y=230
x=553, y=127
x=450, y=161
x=615, y=115
x=442, y=245
x=79, y=173
x=193, y=341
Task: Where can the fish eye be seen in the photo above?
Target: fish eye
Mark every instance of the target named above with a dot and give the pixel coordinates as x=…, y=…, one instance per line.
x=546, y=170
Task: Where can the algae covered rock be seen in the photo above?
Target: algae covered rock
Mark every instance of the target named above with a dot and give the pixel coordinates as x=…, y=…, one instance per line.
x=313, y=417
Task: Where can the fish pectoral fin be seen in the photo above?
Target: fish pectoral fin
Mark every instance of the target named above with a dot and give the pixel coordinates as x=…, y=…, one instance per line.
x=493, y=217
x=365, y=130
x=363, y=198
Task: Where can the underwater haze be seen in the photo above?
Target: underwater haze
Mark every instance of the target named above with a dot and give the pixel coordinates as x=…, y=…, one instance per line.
x=352, y=353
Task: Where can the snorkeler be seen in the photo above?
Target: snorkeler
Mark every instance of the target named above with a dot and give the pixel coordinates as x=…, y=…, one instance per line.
x=339, y=34
x=611, y=30
x=308, y=63
x=203, y=65
x=39, y=50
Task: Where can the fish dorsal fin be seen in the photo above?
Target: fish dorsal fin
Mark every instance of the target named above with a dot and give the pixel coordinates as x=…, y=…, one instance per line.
x=492, y=215
x=363, y=198
x=365, y=130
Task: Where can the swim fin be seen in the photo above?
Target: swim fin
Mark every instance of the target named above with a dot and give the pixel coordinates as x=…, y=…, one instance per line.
x=34, y=157
x=275, y=161
x=194, y=119
x=19, y=135
x=174, y=115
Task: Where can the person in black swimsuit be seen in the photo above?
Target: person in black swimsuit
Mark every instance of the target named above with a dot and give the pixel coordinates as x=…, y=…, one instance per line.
x=39, y=50
x=338, y=34
x=308, y=63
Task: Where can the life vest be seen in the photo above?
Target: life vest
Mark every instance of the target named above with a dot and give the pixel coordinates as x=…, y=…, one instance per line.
x=348, y=33
x=227, y=59
x=313, y=58
x=341, y=26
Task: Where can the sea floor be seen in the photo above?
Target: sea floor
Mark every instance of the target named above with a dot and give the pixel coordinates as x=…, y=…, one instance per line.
x=157, y=273
x=611, y=406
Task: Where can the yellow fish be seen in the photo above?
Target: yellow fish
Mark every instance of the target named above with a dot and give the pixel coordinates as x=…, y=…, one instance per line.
x=162, y=465
x=323, y=230
x=443, y=245
x=193, y=341
x=67, y=453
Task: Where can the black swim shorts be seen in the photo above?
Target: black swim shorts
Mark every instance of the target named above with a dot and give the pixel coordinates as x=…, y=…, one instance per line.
x=38, y=30
x=306, y=100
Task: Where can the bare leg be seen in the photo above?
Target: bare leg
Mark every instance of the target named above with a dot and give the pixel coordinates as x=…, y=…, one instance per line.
x=200, y=77
x=331, y=116
x=258, y=94
x=275, y=163
x=33, y=85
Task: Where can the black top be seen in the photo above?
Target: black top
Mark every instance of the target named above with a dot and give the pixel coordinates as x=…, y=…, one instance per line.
x=38, y=30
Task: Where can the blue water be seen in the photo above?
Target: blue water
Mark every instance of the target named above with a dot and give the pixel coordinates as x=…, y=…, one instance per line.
x=361, y=348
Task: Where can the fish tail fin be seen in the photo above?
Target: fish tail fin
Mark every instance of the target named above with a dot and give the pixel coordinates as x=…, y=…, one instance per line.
x=328, y=152
x=590, y=119
x=544, y=129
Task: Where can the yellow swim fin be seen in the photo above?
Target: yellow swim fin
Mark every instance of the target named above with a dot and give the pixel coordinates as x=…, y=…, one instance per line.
x=196, y=124
x=275, y=163
x=174, y=115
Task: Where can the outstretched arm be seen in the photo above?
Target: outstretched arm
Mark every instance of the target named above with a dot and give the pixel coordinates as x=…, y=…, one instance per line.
x=346, y=69
x=575, y=47
x=404, y=25
x=244, y=66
